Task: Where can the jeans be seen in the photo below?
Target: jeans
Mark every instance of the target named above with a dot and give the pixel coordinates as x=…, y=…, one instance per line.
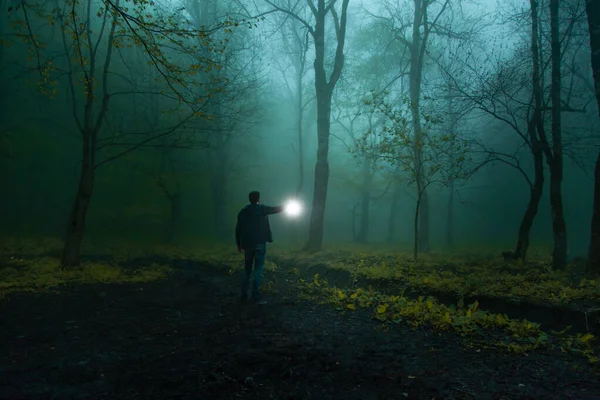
x=256, y=256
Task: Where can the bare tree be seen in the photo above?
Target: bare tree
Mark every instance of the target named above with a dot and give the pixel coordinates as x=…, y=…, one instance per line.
x=93, y=42
x=296, y=41
x=512, y=90
x=234, y=110
x=367, y=72
x=593, y=17
x=416, y=34
x=324, y=87
x=394, y=145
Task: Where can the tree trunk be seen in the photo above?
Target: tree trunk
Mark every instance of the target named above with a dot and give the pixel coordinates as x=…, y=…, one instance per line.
x=416, y=230
x=535, y=126
x=535, y=196
x=450, y=217
x=324, y=91
x=424, y=245
x=317, y=218
x=559, y=253
x=76, y=223
x=415, y=75
x=593, y=17
x=299, y=120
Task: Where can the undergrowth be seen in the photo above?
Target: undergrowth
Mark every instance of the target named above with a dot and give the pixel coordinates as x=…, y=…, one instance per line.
x=44, y=274
x=458, y=274
x=481, y=327
x=463, y=275
x=32, y=265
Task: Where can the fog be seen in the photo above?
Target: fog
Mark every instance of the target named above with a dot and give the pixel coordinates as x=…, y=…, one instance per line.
x=199, y=103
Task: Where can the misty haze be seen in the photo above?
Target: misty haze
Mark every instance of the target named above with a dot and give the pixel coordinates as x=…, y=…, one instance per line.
x=300, y=199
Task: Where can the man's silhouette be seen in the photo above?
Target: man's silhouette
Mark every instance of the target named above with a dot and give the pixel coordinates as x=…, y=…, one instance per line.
x=252, y=233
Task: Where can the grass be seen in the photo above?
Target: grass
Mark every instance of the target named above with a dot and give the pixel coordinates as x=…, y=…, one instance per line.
x=460, y=274
x=29, y=265
x=479, y=327
x=464, y=275
x=25, y=266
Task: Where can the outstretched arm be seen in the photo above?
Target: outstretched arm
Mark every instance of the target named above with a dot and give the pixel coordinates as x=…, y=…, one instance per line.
x=273, y=210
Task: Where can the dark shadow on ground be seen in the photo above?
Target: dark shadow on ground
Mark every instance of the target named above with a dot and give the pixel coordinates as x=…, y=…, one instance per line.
x=189, y=338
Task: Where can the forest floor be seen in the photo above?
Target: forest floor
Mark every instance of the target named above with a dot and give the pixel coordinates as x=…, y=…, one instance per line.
x=184, y=334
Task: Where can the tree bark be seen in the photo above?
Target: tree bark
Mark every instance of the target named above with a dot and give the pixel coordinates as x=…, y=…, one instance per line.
x=299, y=121
x=535, y=195
x=89, y=128
x=317, y=218
x=324, y=91
x=415, y=76
x=416, y=229
x=555, y=156
x=535, y=126
x=76, y=224
x=593, y=17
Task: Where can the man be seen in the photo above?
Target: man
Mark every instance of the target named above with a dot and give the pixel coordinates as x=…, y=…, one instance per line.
x=252, y=233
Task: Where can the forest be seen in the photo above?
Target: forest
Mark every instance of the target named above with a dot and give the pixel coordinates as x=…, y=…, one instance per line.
x=444, y=156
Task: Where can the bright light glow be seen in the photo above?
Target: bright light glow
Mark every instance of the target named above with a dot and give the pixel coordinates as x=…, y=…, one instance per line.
x=293, y=208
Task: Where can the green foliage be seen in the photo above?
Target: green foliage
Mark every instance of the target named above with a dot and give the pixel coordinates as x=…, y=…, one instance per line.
x=460, y=275
x=44, y=274
x=182, y=58
x=478, y=326
x=430, y=157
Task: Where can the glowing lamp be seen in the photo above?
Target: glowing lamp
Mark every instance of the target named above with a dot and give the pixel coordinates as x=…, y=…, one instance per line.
x=293, y=208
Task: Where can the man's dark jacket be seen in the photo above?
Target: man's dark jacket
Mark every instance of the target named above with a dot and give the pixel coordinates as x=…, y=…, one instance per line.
x=253, y=227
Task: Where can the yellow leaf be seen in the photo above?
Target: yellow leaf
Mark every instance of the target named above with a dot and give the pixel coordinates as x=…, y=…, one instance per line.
x=341, y=294
x=350, y=307
x=469, y=312
x=586, y=338
x=500, y=319
x=354, y=295
x=447, y=318
x=382, y=309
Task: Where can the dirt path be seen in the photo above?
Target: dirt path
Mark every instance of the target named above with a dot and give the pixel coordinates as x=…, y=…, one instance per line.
x=189, y=338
